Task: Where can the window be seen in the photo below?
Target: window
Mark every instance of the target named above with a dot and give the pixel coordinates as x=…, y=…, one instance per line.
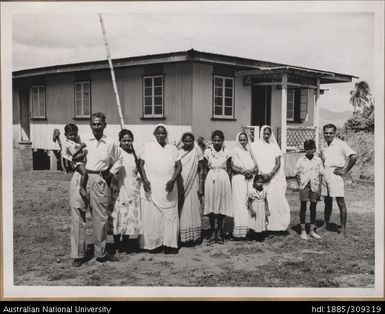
x=223, y=97
x=297, y=109
x=38, y=102
x=153, y=96
x=82, y=99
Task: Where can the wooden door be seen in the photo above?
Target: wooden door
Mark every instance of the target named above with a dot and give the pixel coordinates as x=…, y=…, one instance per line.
x=260, y=105
x=24, y=115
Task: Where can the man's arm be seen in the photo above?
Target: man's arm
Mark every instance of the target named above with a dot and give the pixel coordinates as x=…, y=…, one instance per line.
x=79, y=151
x=116, y=160
x=352, y=161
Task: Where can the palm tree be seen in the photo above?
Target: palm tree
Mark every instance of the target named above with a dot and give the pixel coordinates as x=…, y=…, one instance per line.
x=361, y=98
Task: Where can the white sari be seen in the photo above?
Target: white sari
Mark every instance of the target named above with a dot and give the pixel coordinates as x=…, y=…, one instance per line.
x=243, y=159
x=265, y=154
x=189, y=205
x=159, y=208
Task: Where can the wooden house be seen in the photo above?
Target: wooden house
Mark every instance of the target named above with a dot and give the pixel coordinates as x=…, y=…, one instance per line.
x=184, y=90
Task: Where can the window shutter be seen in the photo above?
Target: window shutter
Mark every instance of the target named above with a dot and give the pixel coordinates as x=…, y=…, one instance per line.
x=303, y=105
x=290, y=105
x=297, y=102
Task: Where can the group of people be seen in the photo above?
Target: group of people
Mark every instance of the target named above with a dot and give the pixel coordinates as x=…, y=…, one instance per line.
x=157, y=195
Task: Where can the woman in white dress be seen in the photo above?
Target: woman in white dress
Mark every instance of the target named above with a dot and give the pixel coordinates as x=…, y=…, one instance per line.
x=160, y=204
x=244, y=168
x=218, y=198
x=190, y=190
x=270, y=164
x=126, y=214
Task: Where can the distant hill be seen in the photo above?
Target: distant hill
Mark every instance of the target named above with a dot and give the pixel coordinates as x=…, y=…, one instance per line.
x=338, y=118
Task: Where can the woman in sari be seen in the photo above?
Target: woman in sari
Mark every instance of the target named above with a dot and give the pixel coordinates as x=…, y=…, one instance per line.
x=269, y=159
x=244, y=168
x=160, y=204
x=191, y=190
x=126, y=217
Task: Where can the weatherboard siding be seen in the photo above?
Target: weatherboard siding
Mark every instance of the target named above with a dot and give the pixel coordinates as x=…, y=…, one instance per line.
x=178, y=93
x=202, y=123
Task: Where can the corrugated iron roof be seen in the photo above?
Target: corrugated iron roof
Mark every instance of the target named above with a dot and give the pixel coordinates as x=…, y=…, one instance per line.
x=177, y=56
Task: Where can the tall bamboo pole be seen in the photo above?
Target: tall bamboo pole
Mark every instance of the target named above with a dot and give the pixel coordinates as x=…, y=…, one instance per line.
x=137, y=162
x=112, y=72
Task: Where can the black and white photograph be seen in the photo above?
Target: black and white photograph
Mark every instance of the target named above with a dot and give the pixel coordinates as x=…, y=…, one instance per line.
x=206, y=150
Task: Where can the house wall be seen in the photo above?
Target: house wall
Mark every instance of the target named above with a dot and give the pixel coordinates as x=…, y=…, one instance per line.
x=60, y=101
x=202, y=102
x=177, y=94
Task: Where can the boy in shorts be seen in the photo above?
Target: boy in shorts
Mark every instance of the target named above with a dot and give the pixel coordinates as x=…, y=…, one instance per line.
x=309, y=170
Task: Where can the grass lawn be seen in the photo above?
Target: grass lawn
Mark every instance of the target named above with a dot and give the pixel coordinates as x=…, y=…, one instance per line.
x=42, y=246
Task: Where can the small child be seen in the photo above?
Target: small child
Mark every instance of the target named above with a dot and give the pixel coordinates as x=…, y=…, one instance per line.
x=72, y=150
x=258, y=205
x=309, y=170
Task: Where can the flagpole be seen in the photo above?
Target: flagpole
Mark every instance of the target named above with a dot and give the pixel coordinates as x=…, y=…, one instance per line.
x=112, y=72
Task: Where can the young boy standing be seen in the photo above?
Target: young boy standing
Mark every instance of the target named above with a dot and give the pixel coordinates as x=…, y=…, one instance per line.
x=72, y=150
x=309, y=170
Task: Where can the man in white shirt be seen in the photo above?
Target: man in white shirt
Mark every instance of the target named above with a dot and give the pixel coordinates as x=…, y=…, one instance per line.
x=102, y=163
x=334, y=155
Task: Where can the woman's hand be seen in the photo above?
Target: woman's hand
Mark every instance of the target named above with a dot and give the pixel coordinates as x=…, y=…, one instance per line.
x=266, y=177
x=200, y=195
x=147, y=186
x=170, y=185
x=340, y=171
x=247, y=174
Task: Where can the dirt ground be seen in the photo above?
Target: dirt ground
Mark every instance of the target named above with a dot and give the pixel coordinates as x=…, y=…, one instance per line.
x=42, y=246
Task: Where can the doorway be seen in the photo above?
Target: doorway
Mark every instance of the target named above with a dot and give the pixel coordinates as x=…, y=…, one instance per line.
x=24, y=115
x=260, y=105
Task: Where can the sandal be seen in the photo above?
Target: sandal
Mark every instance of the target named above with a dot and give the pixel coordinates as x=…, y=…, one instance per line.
x=220, y=239
x=211, y=239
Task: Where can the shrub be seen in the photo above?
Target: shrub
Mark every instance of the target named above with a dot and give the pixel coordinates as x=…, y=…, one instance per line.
x=363, y=143
x=360, y=123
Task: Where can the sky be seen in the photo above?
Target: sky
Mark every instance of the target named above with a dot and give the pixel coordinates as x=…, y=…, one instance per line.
x=341, y=42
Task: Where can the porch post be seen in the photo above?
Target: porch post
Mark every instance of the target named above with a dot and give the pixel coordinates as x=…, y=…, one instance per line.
x=316, y=114
x=284, y=113
x=52, y=161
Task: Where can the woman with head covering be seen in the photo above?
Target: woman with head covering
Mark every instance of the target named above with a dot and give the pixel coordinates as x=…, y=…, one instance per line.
x=160, y=204
x=218, y=199
x=270, y=164
x=191, y=190
x=244, y=168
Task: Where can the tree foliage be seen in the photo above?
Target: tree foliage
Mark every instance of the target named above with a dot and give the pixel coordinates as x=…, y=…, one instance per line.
x=363, y=115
